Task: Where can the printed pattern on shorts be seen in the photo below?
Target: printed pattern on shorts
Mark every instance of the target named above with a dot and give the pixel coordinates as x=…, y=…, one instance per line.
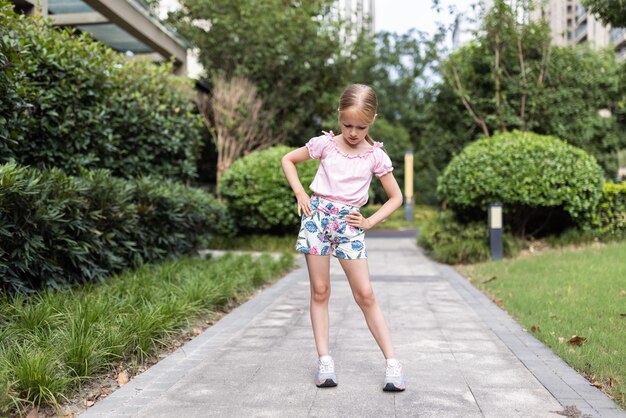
x=326, y=231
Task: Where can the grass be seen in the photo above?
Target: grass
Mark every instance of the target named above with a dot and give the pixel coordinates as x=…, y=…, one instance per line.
x=54, y=341
x=563, y=293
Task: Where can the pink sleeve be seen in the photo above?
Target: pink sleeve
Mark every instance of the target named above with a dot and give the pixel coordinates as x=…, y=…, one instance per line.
x=382, y=164
x=316, y=146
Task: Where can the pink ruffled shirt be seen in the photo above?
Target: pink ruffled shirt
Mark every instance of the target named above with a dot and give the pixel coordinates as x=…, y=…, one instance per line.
x=343, y=177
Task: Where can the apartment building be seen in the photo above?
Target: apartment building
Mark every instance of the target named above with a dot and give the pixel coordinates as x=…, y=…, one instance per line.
x=360, y=12
x=571, y=24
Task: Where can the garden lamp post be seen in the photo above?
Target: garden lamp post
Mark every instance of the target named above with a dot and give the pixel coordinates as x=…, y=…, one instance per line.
x=495, y=230
x=408, y=186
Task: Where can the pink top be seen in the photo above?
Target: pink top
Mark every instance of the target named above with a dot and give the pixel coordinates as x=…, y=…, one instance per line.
x=343, y=177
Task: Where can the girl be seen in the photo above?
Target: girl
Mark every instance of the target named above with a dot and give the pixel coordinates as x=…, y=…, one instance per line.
x=332, y=223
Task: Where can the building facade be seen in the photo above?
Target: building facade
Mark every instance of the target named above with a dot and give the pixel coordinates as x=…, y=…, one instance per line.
x=360, y=12
x=571, y=24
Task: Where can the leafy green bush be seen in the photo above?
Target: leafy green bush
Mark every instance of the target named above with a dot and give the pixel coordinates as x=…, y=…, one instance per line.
x=530, y=174
x=258, y=195
x=59, y=229
x=450, y=241
x=610, y=216
x=70, y=102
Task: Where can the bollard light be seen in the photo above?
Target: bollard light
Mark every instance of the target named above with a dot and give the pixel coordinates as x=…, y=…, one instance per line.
x=408, y=186
x=495, y=230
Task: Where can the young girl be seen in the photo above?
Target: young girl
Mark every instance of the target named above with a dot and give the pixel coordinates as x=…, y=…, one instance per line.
x=332, y=223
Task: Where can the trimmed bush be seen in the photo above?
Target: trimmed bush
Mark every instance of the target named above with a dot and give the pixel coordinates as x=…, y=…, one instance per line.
x=453, y=242
x=530, y=174
x=258, y=195
x=58, y=230
x=610, y=216
x=71, y=102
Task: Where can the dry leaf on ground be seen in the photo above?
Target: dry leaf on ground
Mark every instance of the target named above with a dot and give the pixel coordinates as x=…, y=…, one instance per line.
x=576, y=340
x=492, y=278
x=122, y=378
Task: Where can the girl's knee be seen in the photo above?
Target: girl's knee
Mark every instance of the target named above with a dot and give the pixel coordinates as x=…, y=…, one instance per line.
x=320, y=292
x=365, y=298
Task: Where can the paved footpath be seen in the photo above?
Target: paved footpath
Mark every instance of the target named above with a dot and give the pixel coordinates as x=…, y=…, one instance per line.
x=463, y=356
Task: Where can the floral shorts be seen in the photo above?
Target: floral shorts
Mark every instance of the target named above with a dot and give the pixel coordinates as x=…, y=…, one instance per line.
x=326, y=231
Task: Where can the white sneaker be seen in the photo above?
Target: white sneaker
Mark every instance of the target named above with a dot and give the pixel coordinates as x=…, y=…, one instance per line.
x=394, y=378
x=326, y=376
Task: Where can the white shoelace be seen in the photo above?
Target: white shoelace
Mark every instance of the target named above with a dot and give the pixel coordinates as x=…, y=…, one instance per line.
x=327, y=367
x=393, y=371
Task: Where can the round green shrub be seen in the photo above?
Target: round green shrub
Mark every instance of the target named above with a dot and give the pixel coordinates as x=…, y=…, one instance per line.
x=453, y=242
x=522, y=170
x=257, y=193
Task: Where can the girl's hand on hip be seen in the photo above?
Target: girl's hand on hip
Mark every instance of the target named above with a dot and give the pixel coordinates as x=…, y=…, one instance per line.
x=304, y=204
x=356, y=219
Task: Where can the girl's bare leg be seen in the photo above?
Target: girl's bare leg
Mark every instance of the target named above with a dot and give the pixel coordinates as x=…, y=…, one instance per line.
x=319, y=276
x=359, y=278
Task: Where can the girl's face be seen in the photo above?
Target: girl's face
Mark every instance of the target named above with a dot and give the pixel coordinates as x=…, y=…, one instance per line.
x=354, y=126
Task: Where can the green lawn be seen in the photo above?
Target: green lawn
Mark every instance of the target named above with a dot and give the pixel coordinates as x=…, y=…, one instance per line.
x=53, y=341
x=564, y=293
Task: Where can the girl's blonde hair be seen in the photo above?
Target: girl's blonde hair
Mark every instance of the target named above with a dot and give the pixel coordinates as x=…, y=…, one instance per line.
x=363, y=98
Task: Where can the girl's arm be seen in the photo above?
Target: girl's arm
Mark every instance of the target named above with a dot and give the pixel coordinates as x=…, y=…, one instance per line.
x=289, y=162
x=394, y=202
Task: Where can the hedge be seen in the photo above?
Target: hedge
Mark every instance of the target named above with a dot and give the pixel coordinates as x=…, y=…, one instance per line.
x=71, y=102
x=610, y=216
x=525, y=172
x=258, y=195
x=58, y=230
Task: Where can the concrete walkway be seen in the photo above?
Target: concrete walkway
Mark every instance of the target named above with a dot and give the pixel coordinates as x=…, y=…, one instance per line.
x=463, y=356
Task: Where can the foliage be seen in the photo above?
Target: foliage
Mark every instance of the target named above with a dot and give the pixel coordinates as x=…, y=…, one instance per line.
x=234, y=113
x=398, y=67
x=510, y=77
x=610, y=12
x=451, y=241
x=73, y=102
x=396, y=142
x=12, y=104
x=53, y=341
x=60, y=230
x=258, y=196
x=525, y=172
x=298, y=55
x=610, y=216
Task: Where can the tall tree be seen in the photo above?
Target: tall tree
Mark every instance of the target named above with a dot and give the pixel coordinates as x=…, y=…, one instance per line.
x=298, y=54
x=509, y=77
x=399, y=67
x=610, y=12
